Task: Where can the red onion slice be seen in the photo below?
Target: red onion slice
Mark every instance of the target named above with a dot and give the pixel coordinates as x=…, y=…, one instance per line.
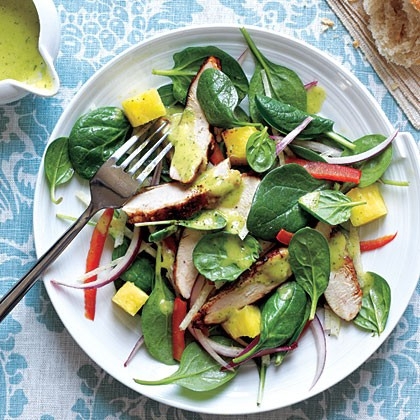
x=281, y=145
x=321, y=345
x=347, y=160
x=115, y=273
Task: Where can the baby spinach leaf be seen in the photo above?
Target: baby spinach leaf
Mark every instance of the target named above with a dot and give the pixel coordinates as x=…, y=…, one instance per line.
x=218, y=98
x=187, y=63
x=281, y=315
x=284, y=83
x=329, y=206
x=376, y=303
x=275, y=203
x=166, y=93
x=197, y=371
x=57, y=166
x=224, y=256
x=309, y=256
x=94, y=137
x=157, y=316
x=141, y=272
x=202, y=220
x=373, y=168
x=260, y=151
x=285, y=117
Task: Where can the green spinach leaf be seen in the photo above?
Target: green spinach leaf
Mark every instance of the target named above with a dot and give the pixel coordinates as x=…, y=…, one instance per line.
x=373, y=168
x=260, y=151
x=281, y=315
x=329, y=206
x=218, y=98
x=284, y=83
x=57, y=166
x=188, y=62
x=94, y=137
x=285, y=118
x=197, y=371
x=141, y=272
x=376, y=303
x=275, y=203
x=224, y=256
x=166, y=93
x=309, y=256
x=157, y=317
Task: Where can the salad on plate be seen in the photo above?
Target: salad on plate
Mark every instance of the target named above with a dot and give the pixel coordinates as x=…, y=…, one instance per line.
x=249, y=228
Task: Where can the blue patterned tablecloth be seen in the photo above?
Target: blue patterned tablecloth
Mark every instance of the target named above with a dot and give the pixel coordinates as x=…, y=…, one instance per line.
x=43, y=373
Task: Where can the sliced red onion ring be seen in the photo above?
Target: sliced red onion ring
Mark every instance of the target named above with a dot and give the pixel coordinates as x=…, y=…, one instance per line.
x=311, y=84
x=134, y=351
x=281, y=145
x=115, y=273
x=321, y=345
x=204, y=341
x=347, y=160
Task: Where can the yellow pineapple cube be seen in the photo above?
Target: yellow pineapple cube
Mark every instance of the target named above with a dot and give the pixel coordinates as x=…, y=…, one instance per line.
x=373, y=209
x=145, y=107
x=235, y=140
x=244, y=322
x=130, y=298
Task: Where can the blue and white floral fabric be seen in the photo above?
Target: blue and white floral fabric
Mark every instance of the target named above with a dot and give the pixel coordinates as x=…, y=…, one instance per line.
x=43, y=373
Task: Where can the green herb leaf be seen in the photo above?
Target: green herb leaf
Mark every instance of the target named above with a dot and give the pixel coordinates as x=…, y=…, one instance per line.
x=224, y=256
x=329, y=206
x=57, y=166
x=309, y=257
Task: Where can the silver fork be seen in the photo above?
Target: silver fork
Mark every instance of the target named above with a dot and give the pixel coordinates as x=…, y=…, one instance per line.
x=111, y=187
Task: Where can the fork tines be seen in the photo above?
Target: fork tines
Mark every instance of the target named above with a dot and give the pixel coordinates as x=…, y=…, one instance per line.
x=141, y=146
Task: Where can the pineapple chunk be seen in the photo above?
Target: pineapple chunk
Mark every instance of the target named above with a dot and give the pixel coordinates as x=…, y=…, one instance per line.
x=235, y=140
x=244, y=322
x=373, y=209
x=145, y=107
x=130, y=298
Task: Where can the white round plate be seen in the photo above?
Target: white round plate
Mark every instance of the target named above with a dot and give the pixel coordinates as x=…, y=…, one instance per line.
x=109, y=339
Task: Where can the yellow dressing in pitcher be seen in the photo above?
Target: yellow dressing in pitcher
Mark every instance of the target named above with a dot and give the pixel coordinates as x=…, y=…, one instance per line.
x=19, y=35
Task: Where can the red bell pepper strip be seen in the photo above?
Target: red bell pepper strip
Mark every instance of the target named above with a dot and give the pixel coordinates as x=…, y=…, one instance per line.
x=371, y=244
x=96, y=247
x=178, y=335
x=284, y=236
x=329, y=171
x=216, y=154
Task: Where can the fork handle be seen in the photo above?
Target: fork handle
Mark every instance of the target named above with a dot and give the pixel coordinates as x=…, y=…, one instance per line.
x=16, y=293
